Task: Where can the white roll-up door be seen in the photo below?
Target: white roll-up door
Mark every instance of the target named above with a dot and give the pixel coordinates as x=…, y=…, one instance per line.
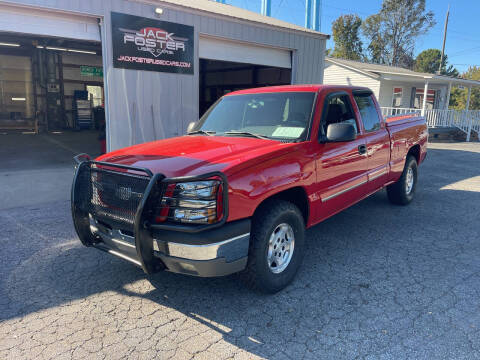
x=36, y=21
x=226, y=50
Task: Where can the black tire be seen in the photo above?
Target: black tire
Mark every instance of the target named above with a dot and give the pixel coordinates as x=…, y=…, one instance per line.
x=398, y=192
x=258, y=274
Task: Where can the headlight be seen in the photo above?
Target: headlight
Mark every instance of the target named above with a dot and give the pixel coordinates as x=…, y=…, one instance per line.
x=196, y=202
x=197, y=189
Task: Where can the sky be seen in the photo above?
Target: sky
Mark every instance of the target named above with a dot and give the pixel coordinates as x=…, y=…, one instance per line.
x=463, y=37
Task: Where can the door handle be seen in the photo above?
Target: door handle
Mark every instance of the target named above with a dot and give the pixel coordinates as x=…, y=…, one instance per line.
x=362, y=149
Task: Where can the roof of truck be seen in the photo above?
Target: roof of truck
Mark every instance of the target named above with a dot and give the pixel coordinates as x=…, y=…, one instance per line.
x=293, y=88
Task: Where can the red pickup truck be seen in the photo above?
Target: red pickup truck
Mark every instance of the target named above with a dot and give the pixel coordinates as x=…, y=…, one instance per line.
x=238, y=191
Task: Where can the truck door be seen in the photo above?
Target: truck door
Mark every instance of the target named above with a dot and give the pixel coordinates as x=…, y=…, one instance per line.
x=341, y=166
x=376, y=136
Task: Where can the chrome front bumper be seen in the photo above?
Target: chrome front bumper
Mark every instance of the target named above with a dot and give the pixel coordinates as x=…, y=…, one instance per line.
x=218, y=252
x=230, y=249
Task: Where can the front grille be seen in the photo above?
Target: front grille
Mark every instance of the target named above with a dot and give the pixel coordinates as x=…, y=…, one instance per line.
x=109, y=195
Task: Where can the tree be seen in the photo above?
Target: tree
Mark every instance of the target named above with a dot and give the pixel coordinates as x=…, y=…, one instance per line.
x=458, y=97
x=393, y=31
x=346, y=36
x=429, y=60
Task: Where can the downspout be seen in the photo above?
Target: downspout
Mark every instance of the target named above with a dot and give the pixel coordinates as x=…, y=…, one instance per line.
x=103, y=40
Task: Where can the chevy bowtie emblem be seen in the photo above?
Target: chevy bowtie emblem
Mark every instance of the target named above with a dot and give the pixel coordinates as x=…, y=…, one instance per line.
x=124, y=193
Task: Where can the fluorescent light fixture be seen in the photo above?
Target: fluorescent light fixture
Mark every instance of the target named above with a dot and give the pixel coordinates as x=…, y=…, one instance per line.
x=69, y=50
x=9, y=44
x=158, y=11
x=56, y=48
x=82, y=51
x=18, y=99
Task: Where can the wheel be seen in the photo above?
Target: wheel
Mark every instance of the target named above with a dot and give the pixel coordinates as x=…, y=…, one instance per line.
x=277, y=244
x=402, y=191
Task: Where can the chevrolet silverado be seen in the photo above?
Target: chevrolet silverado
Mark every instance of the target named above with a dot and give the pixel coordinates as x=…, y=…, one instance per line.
x=236, y=193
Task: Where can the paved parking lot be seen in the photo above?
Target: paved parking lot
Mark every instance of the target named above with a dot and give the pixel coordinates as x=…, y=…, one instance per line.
x=35, y=169
x=378, y=282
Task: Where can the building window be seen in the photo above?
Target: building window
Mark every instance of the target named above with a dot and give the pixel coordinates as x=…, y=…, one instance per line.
x=397, y=97
x=431, y=94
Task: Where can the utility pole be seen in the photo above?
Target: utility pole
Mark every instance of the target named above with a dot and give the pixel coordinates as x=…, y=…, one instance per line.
x=266, y=7
x=308, y=14
x=444, y=39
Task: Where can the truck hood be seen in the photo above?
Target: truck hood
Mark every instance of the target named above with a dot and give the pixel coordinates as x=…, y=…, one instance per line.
x=196, y=155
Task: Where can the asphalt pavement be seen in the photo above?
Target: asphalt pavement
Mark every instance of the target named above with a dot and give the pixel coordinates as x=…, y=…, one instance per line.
x=378, y=282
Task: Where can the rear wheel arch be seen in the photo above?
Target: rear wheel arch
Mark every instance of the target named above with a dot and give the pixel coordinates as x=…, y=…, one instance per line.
x=402, y=191
x=415, y=152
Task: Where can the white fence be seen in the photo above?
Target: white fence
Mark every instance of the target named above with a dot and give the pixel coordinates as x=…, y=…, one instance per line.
x=465, y=120
x=392, y=111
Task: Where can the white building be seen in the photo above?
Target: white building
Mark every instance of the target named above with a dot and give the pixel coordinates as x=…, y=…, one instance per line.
x=400, y=90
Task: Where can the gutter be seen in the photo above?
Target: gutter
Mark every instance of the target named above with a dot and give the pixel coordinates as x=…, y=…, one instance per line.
x=435, y=77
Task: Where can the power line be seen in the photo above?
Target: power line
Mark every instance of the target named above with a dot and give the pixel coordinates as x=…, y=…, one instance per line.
x=466, y=64
x=349, y=10
x=278, y=7
x=463, y=51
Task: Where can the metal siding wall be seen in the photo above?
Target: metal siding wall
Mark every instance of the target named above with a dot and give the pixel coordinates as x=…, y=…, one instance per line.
x=132, y=95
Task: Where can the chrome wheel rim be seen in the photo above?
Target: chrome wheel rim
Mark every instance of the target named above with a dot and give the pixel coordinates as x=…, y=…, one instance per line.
x=410, y=180
x=280, y=248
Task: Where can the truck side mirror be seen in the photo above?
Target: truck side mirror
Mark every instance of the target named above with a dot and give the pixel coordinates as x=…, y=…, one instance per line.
x=340, y=132
x=191, y=126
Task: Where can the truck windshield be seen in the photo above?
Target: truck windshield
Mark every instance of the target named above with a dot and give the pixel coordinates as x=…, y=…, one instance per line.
x=279, y=116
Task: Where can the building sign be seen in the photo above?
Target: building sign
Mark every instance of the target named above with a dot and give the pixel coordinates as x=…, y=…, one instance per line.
x=91, y=71
x=148, y=44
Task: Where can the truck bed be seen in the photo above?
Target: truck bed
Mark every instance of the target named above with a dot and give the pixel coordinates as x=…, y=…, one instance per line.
x=405, y=132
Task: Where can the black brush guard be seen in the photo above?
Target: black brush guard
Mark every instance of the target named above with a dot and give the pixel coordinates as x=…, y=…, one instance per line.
x=125, y=197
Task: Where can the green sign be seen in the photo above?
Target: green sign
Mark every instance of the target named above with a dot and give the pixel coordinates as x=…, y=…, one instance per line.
x=91, y=71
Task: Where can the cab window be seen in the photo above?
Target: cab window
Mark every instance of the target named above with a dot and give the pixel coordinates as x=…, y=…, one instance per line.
x=368, y=111
x=339, y=110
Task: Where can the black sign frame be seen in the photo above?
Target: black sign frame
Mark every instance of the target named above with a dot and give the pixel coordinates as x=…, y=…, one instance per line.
x=148, y=44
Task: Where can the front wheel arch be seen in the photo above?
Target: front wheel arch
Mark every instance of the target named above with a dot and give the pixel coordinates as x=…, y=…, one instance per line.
x=295, y=195
x=258, y=274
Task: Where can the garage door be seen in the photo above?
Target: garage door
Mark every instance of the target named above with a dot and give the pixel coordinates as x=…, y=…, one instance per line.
x=49, y=23
x=225, y=50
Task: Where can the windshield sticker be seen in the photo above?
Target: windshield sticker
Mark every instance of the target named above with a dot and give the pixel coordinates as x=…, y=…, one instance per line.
x=288, y=132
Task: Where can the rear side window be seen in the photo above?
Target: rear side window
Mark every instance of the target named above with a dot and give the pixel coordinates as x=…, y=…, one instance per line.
x=368, y=111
